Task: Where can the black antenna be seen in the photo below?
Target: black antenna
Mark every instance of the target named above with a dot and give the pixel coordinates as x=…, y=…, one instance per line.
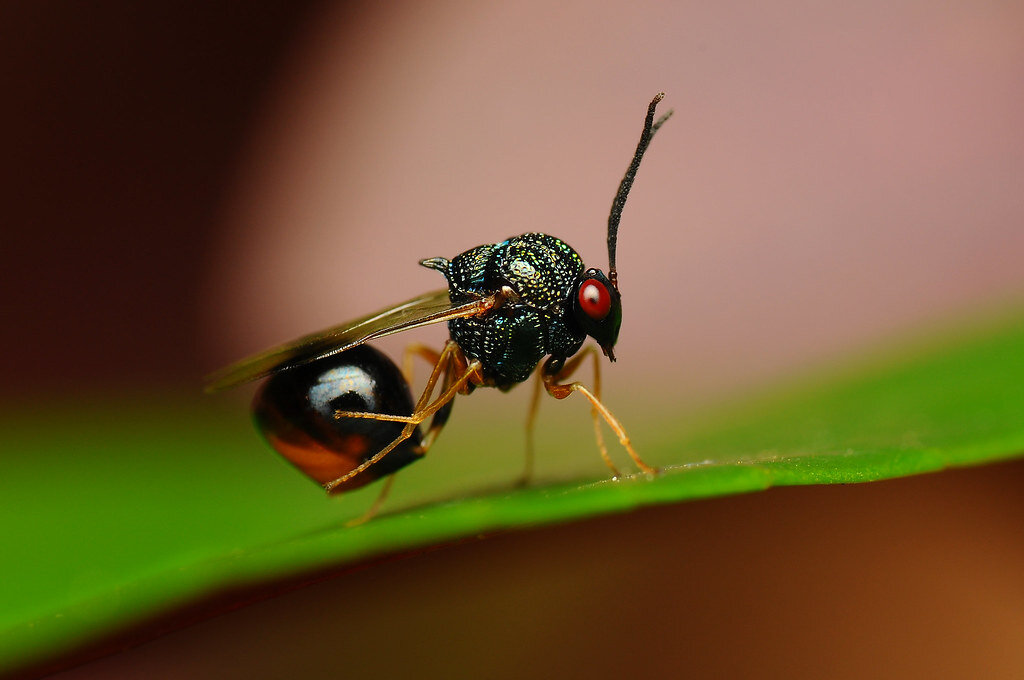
x=650, y=127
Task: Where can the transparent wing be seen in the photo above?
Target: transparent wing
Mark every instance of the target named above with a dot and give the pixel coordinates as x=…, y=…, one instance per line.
x=427, y=309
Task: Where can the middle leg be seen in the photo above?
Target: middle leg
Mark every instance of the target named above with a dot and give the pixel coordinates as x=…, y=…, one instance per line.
x=531, y=419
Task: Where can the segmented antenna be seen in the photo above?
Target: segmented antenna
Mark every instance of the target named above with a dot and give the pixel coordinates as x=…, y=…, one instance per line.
x=650, y=127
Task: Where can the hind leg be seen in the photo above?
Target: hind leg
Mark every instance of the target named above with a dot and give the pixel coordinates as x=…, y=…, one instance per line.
x=449, y=361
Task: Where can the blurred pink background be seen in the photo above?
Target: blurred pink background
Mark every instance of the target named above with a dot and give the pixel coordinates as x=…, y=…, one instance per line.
x=186, y=187
x=832, y=176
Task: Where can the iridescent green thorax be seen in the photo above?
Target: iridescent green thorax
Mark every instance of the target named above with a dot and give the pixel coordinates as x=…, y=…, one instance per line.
x=544, y=272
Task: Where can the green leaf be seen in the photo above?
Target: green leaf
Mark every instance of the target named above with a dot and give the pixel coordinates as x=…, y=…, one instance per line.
x=117, y=513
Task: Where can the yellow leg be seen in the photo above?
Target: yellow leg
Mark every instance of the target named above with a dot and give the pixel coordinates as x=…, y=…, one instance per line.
x=424, y=409
x=375, y=508
x=441, y=365
x=559, y=390
x=413, y=350
x=570, y=368
x=440, y=418
x=531, y=419
x=425, y=444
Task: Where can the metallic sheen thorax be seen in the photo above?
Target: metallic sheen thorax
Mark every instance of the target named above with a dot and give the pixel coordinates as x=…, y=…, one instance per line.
x=510, y=341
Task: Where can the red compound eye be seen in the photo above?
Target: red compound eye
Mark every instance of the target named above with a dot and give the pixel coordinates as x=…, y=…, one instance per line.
x=594, y=299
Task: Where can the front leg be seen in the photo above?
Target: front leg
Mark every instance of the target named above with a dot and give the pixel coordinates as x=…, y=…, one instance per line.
x=559, y=390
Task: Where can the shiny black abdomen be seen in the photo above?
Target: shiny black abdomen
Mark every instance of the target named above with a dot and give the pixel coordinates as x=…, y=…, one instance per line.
x=294, y=410
x=511, y=340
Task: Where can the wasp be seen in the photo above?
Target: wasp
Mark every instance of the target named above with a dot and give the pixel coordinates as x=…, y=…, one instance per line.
x=343, y=412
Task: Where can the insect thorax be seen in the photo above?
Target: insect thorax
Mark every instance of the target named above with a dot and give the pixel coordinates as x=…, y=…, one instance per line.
x=512, y=339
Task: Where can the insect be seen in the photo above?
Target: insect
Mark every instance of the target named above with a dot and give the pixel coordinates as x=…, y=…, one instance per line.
x=343, y=413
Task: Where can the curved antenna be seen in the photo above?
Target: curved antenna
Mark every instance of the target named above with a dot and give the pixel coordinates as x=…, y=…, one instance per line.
x=650, y=127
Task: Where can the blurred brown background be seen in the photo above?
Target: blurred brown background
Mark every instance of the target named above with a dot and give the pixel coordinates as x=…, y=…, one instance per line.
x=122, y=124
x=184, y=184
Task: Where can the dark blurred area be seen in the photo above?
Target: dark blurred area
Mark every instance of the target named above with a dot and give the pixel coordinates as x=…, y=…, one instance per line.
x=122, y=122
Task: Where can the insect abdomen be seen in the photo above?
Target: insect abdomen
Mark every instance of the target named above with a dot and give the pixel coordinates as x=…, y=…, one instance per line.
x=294, y=410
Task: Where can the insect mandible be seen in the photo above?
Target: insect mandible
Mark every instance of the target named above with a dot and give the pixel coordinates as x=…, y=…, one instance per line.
x=343, y=413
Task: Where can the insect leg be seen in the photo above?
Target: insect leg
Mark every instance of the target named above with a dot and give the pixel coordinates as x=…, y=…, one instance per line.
x=423, y=410
x=438, y=421
x=413, y=350
x=440, y=418
x=441, y=363
x=377, y=502
x=567, y=370
x=531, y=418
x=559, y=390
